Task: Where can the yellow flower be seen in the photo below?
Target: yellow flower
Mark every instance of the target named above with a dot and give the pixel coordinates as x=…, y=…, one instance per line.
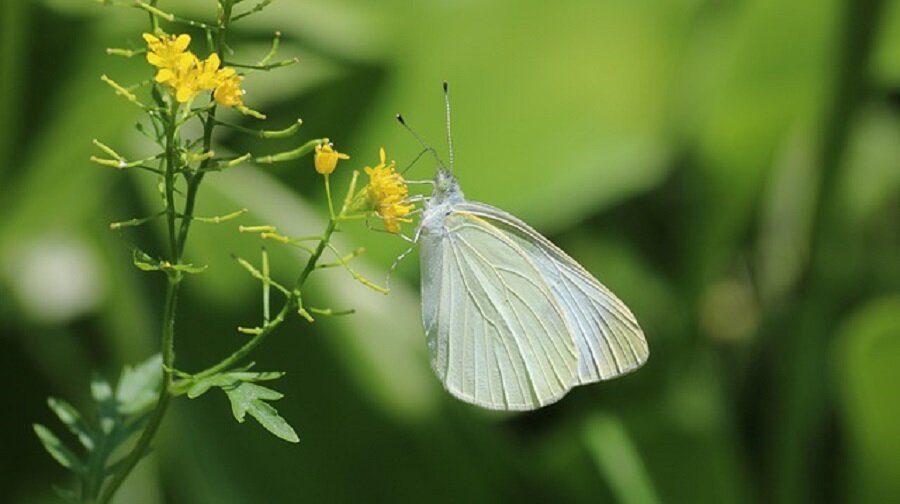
x=190, y=80
x=206, y=73
x=168, y=53
x=387, y=193
x=175, y=76
x=228, y=90
x=187, y=75
x=326, y=158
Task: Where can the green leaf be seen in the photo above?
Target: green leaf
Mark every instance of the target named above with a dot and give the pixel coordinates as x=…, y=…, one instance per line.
x=618, y=460
x=201, y=385
x=866, y=351
x=73, y=420
x=138, y=387
x=188, y=268
x=58, y=450
x=199, y=388
x=228, y=379
x=120, y=413
x=246, y=397
x=144, y=262
x=255, y=377
x=250, y=398
x=102, y=393
x=100, y=389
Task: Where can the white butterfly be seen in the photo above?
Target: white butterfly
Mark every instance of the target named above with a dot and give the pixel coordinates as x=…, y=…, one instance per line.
x=513, y=322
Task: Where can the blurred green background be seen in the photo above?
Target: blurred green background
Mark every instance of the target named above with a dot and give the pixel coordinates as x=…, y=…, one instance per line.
x=731, y=169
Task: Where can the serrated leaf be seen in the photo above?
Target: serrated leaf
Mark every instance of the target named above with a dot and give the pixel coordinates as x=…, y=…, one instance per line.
x=199, y=388
x=200, y=385
x=268, y=417
x=144, y=262
x=229, y=379
x=138, y=387
x=250, y=398
x=255, y=377
x=73, y=420
x=58, y=450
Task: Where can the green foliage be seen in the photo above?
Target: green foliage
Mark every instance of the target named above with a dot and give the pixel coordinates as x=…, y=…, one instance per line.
x=145, y=262
x=866, y=356
x=618, y=460
x=117, y=416
x=246, y=397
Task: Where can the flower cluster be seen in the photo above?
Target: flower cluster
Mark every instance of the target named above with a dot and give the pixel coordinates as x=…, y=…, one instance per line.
x=387, y=192
x=187, y=76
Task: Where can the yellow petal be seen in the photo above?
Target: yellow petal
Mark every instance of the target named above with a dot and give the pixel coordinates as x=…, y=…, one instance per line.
x=155, y=60
x=212, y=63
x=184, y=94
x=164, y=75
x=182, y=42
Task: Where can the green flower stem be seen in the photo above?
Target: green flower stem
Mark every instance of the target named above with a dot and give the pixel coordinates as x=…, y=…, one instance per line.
x=264, y=68
x=328, y=196
x=172, y=18
x=291, y=155
x=262, y=133
x=291, y=303
x=170, y=180
x=194, y=185
x=208, y=125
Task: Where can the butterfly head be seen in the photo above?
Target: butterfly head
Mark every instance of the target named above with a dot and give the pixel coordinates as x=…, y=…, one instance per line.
x=446, y=188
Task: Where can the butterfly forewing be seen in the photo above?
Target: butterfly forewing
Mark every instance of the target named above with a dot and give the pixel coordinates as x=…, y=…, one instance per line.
x=497, y=334
x=608, y=338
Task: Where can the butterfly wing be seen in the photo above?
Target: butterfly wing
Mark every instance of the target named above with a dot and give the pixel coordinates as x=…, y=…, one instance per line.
x=496, y=333
x=609, y=340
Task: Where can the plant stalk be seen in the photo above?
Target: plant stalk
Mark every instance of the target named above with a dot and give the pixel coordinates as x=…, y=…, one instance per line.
x=248, y=347
x=149, y=432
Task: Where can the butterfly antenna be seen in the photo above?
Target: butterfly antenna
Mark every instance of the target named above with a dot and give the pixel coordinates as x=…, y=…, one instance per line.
x=424, y=145
x=414, y=161
x=449, y=131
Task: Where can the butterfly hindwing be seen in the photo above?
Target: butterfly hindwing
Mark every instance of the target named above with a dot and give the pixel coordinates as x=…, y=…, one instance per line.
x=497, y=334
x=609, y=340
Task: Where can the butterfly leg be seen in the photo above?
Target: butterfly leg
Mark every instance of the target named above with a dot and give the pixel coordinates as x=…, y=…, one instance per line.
x=370, y=227
x=387, y=281
x=418, y=198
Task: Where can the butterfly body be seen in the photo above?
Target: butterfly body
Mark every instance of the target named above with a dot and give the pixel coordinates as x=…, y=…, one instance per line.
x=512, y=322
